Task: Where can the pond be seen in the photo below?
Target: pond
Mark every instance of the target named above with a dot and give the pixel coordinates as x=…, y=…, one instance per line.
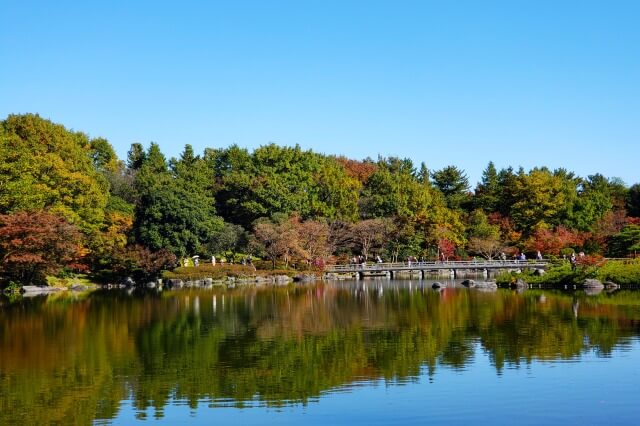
x=369, y=352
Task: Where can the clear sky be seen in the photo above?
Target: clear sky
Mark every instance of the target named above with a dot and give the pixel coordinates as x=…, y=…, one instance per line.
x=522, y=83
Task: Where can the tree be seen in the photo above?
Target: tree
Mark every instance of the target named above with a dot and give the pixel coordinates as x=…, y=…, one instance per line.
x=107, y=245
x=507, y=182
x=633, y=200
x=175, y=209
x=143, y=262
x=278, y=239
x=552, y=241
x=402, y=239
x=626, y=242
x=314, y=239
x=45, y=166
x=395, y=190
x=103, y=155
x=484, y=238
x=454, y=185
x=487, y=194
x=36, y=244
x=359, y=170
x=230, y=238
x=542, y=198
x=369, y=234
x=284, y=180
x=489, y=248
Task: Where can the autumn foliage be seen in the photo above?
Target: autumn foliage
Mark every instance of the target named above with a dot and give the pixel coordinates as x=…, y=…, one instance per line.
x=289, y=206
x=35, y=244
x=551, y=241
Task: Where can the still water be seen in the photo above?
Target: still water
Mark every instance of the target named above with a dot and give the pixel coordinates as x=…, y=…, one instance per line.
x=387, y=352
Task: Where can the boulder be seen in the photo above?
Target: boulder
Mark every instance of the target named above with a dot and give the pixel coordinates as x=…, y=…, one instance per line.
x=520, y=284
x=79, y=287
x=468, y=283
x=609, y=285
x=129, y=282
x=150, y=284
x=438, y=285
x=539, y=272
x=174, y=283
x=282, y=279
x=486, y=285
x=32, y=290
x=305, y=278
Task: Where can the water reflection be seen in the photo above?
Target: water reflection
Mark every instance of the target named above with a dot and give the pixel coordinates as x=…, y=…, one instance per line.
x=79, y=358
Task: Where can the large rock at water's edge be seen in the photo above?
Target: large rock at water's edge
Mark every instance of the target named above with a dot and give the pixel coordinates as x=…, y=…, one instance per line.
x=438, y=284
x=174, y=283
x=282, y=279
x=79, y=287
x=610, y=285
x=32, y=290
x=129, y=282
x=151, y=284
x=593, y=284
x=305, y=278
x=539, y=272
x=520, y=284
x=486, y=285
x=468, y=283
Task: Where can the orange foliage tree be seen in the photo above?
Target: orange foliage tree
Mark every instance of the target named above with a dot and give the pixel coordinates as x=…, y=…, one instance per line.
x=549, y=241
x=36, y=244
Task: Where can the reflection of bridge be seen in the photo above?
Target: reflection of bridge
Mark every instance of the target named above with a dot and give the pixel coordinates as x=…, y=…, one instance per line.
x=390, y=269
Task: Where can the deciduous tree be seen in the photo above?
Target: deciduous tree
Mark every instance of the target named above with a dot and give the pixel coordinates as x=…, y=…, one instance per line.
x=36, y=244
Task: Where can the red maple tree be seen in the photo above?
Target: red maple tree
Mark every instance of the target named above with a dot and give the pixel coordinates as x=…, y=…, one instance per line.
x=36, y=244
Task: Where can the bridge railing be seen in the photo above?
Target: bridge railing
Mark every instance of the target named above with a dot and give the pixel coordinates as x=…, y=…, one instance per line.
x=456, y=264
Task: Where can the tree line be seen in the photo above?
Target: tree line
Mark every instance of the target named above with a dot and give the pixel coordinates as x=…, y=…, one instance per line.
x=68, y=203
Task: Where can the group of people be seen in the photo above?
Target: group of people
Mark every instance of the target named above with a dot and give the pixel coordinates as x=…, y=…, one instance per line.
x=522, y=257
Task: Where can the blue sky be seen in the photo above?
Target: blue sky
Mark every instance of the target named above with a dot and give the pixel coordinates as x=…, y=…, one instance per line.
x=522, y=83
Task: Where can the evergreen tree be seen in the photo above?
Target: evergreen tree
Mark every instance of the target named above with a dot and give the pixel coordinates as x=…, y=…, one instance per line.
x=174, y=211
x=487, y=194
x=633, y=201
x=453, y=183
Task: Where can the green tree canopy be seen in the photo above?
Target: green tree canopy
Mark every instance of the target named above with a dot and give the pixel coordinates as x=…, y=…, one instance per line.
x=45, y=166
x=454, y=185
x=174, y=210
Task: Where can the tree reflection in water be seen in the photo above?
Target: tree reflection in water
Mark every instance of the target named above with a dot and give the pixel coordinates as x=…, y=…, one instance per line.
x=66, y=358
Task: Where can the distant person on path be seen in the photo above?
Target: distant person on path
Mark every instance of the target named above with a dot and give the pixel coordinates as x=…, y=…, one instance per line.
x=213, y=260
x=539, y=255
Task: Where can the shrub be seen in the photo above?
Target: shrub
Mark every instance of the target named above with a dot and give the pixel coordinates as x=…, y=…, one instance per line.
x=558, y=275
x=620, y=272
